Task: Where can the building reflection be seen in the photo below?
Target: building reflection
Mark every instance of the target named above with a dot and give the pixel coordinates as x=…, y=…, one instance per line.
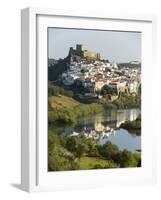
x=100, y=126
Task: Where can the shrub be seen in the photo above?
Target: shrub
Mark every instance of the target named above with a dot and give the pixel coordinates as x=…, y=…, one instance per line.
x=108, y=150
x=60, y=159
x=54, y=90
x=126, y=159
x=71, y=144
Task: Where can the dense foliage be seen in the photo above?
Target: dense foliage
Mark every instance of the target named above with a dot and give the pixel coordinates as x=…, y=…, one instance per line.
x=54, y=90
x=71, y=115
x=56, y=70
x=132, y=125
x=130, y=101
x=123, y=102
x=67, y=153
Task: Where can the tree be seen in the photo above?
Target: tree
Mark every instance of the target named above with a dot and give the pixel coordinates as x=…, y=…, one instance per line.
x=137, y=159
x=108, y=150
x=105, y=90
x=60, y=159
x=92, y=148
x=56, y=70
x=54, y=90
x=117, y=157
x=71, y=144
x=126, y=159
x=81, y=149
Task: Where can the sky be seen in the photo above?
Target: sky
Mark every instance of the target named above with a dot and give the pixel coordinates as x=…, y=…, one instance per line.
x=116, y=46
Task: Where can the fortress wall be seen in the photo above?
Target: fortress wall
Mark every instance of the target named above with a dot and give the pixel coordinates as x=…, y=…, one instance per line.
x=91, y=54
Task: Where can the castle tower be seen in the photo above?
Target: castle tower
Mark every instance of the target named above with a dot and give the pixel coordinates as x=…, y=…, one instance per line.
x=79, y=47
x=70, y=51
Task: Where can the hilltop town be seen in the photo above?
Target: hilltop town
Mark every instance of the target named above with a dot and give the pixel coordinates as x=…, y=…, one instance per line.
x=88, y=73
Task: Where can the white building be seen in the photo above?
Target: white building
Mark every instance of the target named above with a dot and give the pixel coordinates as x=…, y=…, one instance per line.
x=133, y=87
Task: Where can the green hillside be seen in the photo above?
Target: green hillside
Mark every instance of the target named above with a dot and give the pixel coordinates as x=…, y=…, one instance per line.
x=61, y=102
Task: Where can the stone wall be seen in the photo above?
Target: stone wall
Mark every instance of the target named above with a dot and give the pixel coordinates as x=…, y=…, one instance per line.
x=91, y=55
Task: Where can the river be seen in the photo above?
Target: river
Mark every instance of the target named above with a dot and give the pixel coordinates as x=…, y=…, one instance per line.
x=105, y=127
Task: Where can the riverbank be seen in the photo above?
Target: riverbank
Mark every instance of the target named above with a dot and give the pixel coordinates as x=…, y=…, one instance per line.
x=124, y=102
x=132, y=126
x=66, y=110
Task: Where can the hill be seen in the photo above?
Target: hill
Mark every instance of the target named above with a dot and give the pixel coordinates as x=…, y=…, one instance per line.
x=130, y=65
x=61, y=102
x=56, y=70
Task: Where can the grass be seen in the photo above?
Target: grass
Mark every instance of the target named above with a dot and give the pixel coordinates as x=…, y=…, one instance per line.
x=90, y=162
x=63, y=102
x=63, y=109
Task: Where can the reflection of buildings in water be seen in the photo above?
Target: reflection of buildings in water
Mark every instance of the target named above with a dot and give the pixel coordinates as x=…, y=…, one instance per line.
x=112, y=119
x=93, y=134
x=98, y=126
x=121, y=117
x=104, y=126
x=113, y=124
x=126, y=115
x=99, y=130
x=133, y=114
x=112, y=115
x=106, y=134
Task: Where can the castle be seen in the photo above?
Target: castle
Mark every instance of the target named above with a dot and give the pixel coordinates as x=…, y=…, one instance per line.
x=78, y=53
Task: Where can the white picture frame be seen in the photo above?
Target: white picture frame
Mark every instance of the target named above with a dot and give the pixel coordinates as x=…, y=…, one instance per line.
x=34, y=177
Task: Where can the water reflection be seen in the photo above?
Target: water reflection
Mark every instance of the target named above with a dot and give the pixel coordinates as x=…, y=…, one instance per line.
x=113, y=118
x=105, y=126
